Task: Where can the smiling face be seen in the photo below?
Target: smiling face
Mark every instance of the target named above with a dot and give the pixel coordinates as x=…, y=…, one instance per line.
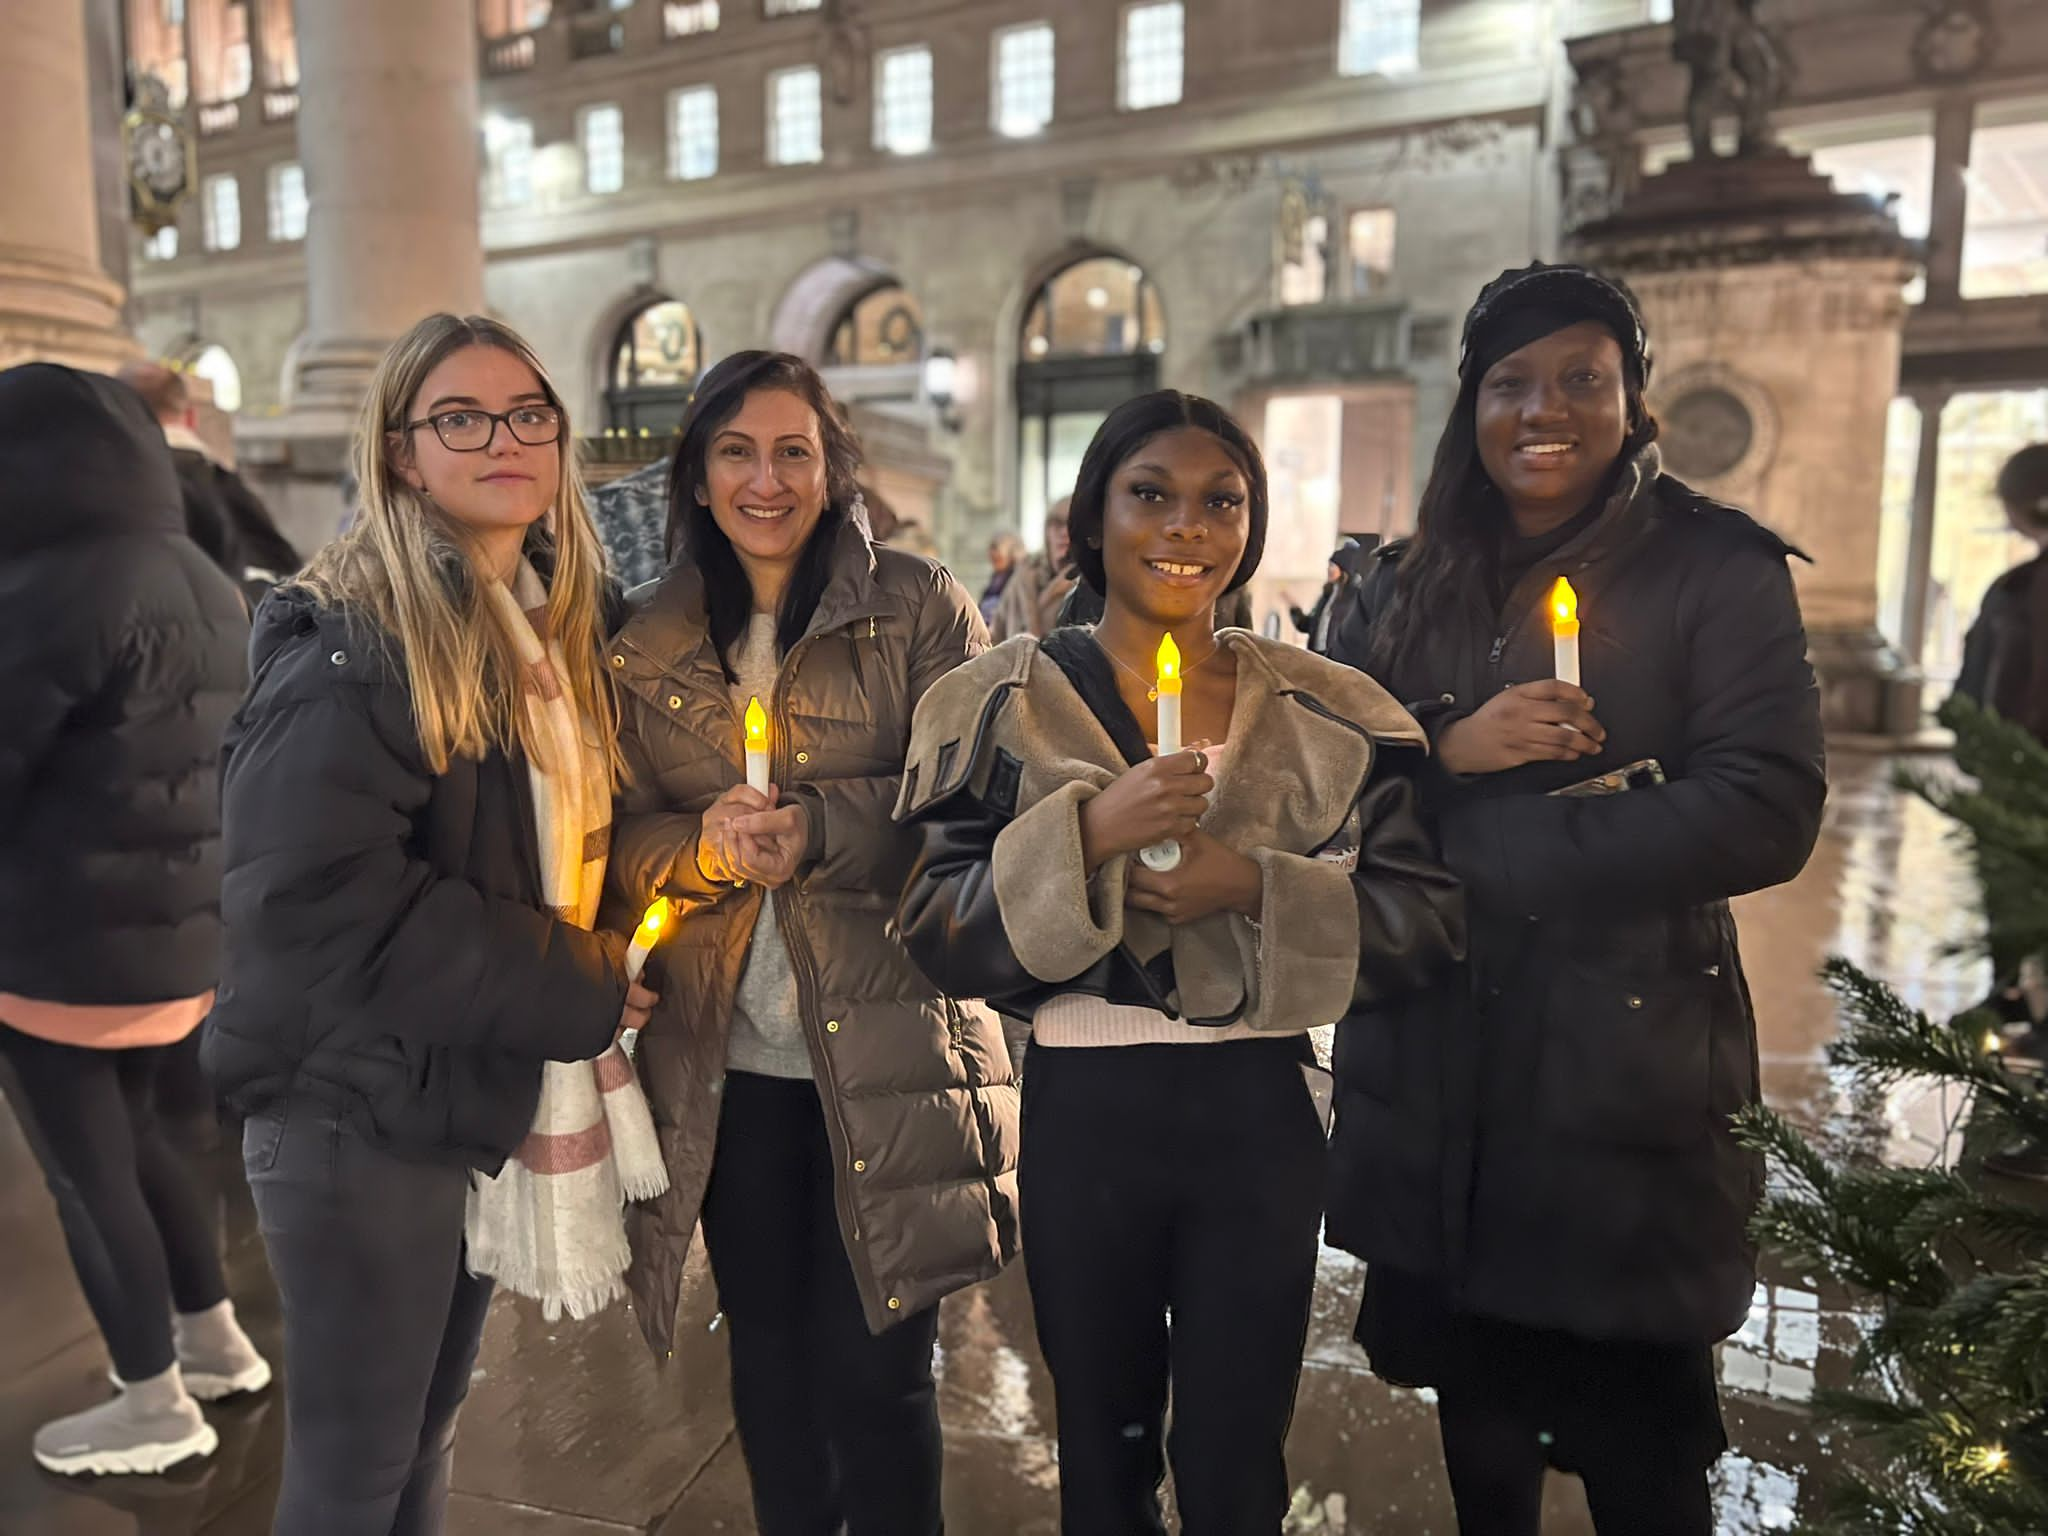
x=505, y=486
x=764, y=480
x=1551, y=420
x=1174, y=527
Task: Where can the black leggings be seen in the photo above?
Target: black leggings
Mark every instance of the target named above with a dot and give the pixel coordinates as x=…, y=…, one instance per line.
x=1496, y=1456
x=1171, y=1196
x=839, y=1426
x=141, y=1235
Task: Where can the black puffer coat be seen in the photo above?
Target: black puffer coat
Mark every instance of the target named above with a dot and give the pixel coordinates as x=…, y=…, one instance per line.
x=387, y=953
x=1552, y=1138
x=121, y=657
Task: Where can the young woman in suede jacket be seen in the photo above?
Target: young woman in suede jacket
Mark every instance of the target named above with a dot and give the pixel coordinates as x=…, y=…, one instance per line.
x=1173, y=1151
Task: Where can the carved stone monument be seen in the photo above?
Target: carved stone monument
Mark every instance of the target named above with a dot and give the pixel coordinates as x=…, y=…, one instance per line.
x=1776, y=306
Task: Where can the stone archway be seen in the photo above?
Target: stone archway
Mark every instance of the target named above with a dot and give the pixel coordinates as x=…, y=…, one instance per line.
x=815, y=302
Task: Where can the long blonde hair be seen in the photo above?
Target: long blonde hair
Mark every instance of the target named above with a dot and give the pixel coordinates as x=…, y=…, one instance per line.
x=406, y=564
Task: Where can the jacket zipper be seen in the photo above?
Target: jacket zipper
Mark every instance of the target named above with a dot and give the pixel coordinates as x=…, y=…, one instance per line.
x=797, y=942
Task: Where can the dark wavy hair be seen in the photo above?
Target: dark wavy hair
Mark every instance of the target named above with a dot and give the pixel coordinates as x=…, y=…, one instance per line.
x=694, y=534
x=1130, y=427
x=1460, y=518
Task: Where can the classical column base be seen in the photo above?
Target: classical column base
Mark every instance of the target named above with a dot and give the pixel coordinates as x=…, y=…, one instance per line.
x=329, y=376
x=1866, y=689
x=55, y=312
x=299, y=465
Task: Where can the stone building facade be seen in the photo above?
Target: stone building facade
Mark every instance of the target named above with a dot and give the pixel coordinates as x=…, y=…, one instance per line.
x=992, y=218
x=1295, y=226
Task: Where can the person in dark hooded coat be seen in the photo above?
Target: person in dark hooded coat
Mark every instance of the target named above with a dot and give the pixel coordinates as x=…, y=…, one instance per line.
x=121, y=658
x=1539, y=1164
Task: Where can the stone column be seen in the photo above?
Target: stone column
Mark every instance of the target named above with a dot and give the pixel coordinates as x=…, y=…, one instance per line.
x=56, y=302
x=1775, y=305
x=1920, y=539
x=388, y=130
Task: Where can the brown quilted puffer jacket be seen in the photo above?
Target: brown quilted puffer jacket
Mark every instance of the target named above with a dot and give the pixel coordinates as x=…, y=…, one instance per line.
x=920, y=1099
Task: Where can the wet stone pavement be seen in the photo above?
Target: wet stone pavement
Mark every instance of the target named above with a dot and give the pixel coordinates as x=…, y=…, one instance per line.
x=572, y=1431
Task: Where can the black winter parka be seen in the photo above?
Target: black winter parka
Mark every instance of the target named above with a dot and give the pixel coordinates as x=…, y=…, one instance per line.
x=121, y=658
x=1551, y=1136
x=387, y=954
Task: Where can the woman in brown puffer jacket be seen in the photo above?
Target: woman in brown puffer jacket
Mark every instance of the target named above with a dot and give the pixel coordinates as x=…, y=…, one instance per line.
x=847, y=1135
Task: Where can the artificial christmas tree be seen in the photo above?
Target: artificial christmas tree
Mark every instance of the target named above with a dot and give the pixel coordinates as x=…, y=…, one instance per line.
x=1951, y=1405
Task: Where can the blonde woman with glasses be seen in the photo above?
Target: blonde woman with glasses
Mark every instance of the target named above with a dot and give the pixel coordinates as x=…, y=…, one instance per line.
x=417, y=799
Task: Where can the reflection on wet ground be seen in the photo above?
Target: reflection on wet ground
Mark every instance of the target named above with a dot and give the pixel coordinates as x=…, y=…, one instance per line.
x=572, y=1431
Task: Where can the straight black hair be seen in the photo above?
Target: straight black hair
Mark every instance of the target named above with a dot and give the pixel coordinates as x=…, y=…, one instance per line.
x=694, y=534
x=1130, y=427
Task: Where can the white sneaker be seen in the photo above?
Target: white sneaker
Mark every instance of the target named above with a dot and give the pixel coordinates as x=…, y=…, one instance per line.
x=149, y=1427
x=215, y=1356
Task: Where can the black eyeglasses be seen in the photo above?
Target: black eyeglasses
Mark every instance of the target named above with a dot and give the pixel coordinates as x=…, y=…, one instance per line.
x=471, y=431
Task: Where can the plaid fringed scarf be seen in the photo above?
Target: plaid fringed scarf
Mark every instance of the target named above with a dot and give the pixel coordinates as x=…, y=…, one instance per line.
x=549, y=1226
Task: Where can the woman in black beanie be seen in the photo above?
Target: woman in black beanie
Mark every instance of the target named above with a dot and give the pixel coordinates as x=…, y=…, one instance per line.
x=1539, y=1167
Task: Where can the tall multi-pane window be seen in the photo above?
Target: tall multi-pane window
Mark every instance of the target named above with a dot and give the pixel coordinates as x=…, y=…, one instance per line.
x=2005, y=224
x=796, y=118
x=222, y=201
x=287, y=202
x=693, y=133
x=508, y=160
x=686, y=18
x=1154, y=54
x=1023, y=80
x=903, y=101
x=788, y=7
x=1380, y=37
x=602, y=130
x=161, y=246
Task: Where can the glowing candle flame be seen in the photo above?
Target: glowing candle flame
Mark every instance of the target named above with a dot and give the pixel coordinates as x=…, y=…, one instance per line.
x=649, y=932
x=1564, y=608
x=757, y=726
x=1169, y=665
x=1994, y=1042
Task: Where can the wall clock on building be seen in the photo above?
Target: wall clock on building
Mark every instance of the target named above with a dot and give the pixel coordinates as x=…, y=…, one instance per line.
x=160, y=164
x=1719, y=428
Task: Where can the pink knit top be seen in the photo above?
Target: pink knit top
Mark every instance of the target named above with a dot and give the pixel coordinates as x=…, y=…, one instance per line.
x=122, y=1027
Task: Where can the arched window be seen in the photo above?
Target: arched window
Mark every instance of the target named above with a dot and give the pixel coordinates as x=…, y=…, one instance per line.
x=1100, y=307
x=212, y=363
x=883, y=328
x=655, y=361
x=1092, y=338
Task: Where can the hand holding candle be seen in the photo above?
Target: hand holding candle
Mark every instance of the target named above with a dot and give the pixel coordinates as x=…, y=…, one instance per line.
x=1564, y=628
x=1166, y=856
x=757, y=747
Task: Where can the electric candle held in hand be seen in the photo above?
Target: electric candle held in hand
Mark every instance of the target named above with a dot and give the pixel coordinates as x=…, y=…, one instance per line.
x=1165, y=856
x=1564, y=625
x=645, y=937
x=757, y=747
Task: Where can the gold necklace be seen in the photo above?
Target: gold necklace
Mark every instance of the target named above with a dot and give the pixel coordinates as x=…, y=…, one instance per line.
x=1152, y=688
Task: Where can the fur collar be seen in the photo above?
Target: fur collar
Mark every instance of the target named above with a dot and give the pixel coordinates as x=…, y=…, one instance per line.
x=1011, y=730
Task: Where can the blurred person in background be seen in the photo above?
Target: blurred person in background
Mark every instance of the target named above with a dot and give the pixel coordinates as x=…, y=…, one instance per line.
x=224, y=517
x=121, y=659
x=1005, y=559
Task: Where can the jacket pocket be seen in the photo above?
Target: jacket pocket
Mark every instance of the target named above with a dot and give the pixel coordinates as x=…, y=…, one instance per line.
x=1627, y=1063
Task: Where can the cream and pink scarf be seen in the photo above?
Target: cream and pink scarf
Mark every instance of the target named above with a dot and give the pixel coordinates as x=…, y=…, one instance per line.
x=550, y=1225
